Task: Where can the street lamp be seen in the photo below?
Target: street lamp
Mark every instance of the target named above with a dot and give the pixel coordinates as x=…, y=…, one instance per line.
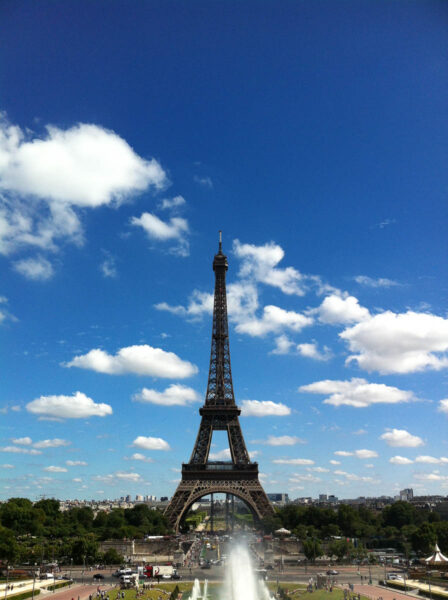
x=34, y=581
x=7, y=580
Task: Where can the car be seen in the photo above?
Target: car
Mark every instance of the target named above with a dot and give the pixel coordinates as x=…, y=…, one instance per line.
x=332, y=572
x=206, y=566
x=175, y=576
x=98, y=576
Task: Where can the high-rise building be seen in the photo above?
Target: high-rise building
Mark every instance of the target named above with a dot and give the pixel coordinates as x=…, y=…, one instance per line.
x=406, y=494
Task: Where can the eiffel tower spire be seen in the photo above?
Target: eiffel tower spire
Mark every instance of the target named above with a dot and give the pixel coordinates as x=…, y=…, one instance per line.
x=220, y=385
x=239, y=476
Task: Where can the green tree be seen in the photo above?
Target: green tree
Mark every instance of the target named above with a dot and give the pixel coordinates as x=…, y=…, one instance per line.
x=341, y=549
x=112, y=557
x=9, y=548
x=312, y=548
x=424, y=539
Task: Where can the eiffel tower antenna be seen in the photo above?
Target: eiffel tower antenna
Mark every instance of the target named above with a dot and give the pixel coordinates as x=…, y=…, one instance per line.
x=201, y=477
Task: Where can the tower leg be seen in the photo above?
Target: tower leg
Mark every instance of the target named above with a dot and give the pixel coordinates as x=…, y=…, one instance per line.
x=212, y=514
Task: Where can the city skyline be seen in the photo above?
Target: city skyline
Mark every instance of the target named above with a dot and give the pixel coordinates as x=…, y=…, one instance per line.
x=314, y=136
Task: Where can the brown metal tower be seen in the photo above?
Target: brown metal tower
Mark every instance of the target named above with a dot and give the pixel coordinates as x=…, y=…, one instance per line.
x=239, y=476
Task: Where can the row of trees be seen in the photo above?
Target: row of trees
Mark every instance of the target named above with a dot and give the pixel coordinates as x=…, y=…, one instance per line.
x=40, y=531
x=400, y=525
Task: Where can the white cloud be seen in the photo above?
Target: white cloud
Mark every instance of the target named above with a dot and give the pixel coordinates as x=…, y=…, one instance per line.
x=311, y=350
x=175, y=229
x=54, y=443
x=78, y=406
x=7, y=466
x=172, y=203
x=353, y=476
x=220, y=455
x=20, y=450
x=45, y=180
x=399, y=343
x=434, y=476
x=77, y=479
x=53, y=469
x=308, y=477
x=204, y=181
x=341, y=308
x=141, y=457
x=24, y=441
x=274, y=319
x=264, y=408
x=360, y=432
x=36, y=269
x=283, y=440
x=131, y=477
x=260, y=264
x=375, y=283
x=400, y=460
x=174, y=395
x=335, y=462
x=357, y=392
x=443, y=406
x=318, y=469
x=401, y=438
x=139, y=360
x=283, y=345
x=150, y=443
x=431, y=460
x=108, y=268
x=363, y=454
x=76, y=463
x=293, y=461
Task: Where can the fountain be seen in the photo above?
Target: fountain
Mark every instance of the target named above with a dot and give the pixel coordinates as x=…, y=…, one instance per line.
x=241, y=581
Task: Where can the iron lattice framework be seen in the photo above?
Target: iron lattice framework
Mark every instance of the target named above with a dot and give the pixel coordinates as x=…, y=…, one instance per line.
x=200, y=476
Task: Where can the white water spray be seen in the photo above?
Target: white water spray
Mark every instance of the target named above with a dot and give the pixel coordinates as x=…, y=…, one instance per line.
x=241, y=581
x=196, y=591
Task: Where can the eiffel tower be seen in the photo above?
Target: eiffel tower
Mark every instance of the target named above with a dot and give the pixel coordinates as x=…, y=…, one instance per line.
x=201, y=477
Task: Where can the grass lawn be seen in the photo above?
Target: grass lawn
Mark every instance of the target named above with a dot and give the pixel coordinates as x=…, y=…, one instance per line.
x=294, y=590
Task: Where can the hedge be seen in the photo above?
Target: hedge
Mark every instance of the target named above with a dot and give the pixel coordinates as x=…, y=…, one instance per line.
x=25, y=595
x=58, y=585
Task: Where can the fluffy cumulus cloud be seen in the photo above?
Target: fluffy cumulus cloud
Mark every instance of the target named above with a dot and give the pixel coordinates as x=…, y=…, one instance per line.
x=76, y=463
x=78, y=406
x=282, y=440
x=431, y=460
x=361, y=454
x=139, y=360
x=220, y=455
x=274, y=319
x=340, y=309
x=443, y=406
x=400, y=460
x=35, y=268
x=141, y=457
x=380, y=282
x=310, y=350
x=264, y=408
x=176, y=229
x=399, y=343
x=150, y=443
x=20, y=450
x=53, y=469
x=260, y=263
x=174, y=395
x=54, y=443
x=357, y=392
x=23, y=441
x=172, y=203
x=434, y=476
x=46, y=179
x=293, y=461
x=400, y=438
x=130, y=477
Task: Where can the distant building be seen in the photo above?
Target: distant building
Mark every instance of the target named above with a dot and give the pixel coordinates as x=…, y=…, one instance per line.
x=407, y=494
x=280, y=499
x=323, y=498
x=139, y=498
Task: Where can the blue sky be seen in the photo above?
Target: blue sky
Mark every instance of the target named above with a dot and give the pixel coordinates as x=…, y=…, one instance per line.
x=314, y=134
